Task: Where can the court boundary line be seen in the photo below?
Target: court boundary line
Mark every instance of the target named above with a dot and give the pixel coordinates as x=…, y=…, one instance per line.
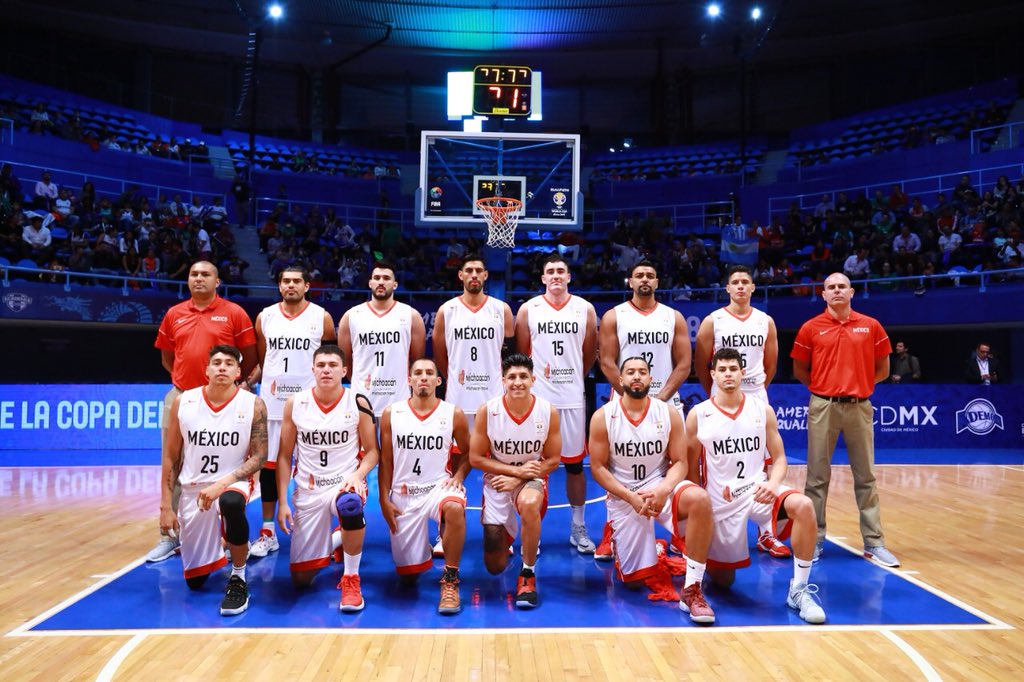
x=928, y=588
x=110, y=669
x=929, y=672
x=348, y=631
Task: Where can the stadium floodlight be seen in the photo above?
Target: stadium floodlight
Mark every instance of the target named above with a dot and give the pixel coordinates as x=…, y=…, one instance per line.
x=755, y=13
x=714, y=10
x=275, y=11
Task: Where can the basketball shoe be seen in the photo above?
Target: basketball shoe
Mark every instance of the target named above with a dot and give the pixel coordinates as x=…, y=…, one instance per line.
x=692, y=602
x=450, y=603
x=580, y=539
x=165, y=549
x=767, y=542
x=604, y=548
x=236, y=597
x=265, y=544
x=351, y=594
x=802, y=598
x=526, y=590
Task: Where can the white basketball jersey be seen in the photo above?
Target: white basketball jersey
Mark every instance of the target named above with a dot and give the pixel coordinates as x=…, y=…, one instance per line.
x=735, y=448
x=637, y=451
x=327, y=440
x=288, y=365
x=556, y=346
x=748, y=336
x=421, y=445
x=517, y=441
x=649, y=336
x=380, y=353
x=473, y=338
x=216, y=440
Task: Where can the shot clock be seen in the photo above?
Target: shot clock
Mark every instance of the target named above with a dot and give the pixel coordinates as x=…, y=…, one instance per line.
x=502, y=90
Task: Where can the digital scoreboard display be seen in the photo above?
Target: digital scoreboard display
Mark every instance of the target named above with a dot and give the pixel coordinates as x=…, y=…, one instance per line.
x=502, y=90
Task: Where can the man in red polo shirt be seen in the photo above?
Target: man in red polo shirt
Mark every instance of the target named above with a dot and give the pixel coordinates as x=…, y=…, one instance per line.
x=187, y=333
x=840, y=355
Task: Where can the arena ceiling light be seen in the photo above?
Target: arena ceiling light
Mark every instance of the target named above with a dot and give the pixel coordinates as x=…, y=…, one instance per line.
x=714, y=10
x=275, y=11
x=755, y=13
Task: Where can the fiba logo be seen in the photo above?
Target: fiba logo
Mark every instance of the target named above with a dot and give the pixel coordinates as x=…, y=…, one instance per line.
x=436, y=192
x=559, y=199
x=979, y=417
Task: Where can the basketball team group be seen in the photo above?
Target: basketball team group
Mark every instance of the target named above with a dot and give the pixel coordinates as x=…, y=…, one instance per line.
x=515, y=410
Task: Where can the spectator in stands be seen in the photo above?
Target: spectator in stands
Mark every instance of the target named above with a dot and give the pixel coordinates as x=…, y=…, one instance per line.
x=64, y=212
x=80, y=261
x=1011, y=252
x=1001, y=187
x=233, y=270
x=906, y=248
x=151, y=265
x=10, y=188
x=173, y=150
x=843, y=205
x=175, y=261
x=982, y=367
x=40, y=120
x=242, y=194
x=215, y=215
x=46, y=192
x=898, y=200
x=949, y=246
x=824, y=206
x=904, y=368
x=917, y=215
x=857, y=266
x=197, y=211
x=37, y=241
x=964, y=194
x=131, y=264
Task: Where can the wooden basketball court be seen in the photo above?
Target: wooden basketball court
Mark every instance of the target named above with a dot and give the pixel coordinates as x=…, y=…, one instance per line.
x=955, y=528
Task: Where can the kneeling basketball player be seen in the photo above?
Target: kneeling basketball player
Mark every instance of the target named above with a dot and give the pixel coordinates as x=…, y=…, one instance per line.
x=638, y=454
x=216, y=441
x=421, y=479
x=730, y=434
x=332, y=434
x=516, y=443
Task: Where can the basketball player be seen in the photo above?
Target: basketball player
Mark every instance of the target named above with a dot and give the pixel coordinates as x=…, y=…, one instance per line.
x=638, y=454
x=331, y=432
x=421, y=479
x=752, y=332
x=381, y=337
x=516, y=443
x=730, y=435
x=644, y=328
x=287, y=334
x=471, y=332
x=216, y=441
x=559, y=332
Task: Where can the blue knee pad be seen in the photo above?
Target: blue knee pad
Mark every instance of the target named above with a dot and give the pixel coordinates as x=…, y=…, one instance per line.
x=350, y=511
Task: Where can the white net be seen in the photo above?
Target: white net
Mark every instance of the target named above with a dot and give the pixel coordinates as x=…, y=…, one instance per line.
x=502, y=219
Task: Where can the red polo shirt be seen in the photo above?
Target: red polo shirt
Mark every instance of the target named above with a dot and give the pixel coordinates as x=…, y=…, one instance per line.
x=842, y=354
x=190, y=333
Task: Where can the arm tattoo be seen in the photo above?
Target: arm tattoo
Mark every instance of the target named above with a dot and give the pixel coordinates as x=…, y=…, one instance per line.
x=257, y=444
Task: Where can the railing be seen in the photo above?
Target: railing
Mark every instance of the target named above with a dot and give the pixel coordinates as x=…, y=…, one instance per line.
x=944, y=182
x=1014, y=137
x=108, y=185
x=706, y=214
x=865, y=287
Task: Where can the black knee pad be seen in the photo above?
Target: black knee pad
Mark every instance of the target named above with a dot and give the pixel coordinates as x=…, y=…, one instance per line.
x=573, y=467
x=196, y=582
x=232, y=511
x=350, y=511
x=268, y=485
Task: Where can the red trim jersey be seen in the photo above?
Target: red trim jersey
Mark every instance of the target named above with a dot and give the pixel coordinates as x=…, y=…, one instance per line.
x=648, y=335
x=380, y=353
x=637, y=450
x=216, y=439
x=556, y=346
x=327, y=440
x=734, y=449
x=473, y=337
x=517, y=441
x=291, y=342
x=747, y=335
x=422, y=445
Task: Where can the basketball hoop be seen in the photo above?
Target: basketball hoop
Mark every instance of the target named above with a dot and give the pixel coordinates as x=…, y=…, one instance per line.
x=501, y=214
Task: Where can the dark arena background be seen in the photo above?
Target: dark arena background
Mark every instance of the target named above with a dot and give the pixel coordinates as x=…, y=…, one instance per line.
x=800, y=138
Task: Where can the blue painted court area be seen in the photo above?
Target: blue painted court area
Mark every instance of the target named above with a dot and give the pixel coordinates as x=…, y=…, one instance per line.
x=575, y=590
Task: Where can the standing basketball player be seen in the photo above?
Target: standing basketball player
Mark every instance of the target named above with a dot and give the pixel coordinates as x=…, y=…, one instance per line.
x=752, y=332
x=216, y=441
x=641, y=327
x=730, y=436
x=331, y=432
x=187, y=332
x=516, y=443
x=559, y=332
x=421, y=479
x=381, y=337
x=287, y=334
x=638, y=454
x=470, y=333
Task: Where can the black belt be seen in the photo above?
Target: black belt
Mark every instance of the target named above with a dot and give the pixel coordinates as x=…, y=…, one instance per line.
x=840, y=398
